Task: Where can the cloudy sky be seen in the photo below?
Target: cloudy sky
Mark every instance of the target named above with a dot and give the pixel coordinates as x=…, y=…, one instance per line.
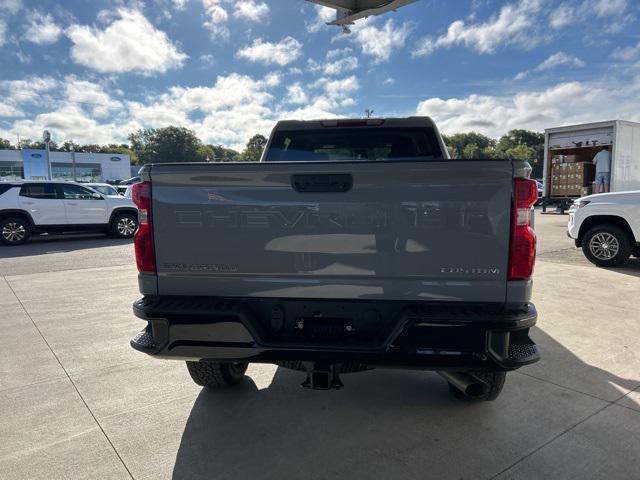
x=95, y=71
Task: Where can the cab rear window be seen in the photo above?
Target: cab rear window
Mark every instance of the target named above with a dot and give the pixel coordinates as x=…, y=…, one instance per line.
x=353, y=144
x=39, y=190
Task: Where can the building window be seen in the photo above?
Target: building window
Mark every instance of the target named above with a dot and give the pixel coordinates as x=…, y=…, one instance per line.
x=10, y=171
x=85, y=172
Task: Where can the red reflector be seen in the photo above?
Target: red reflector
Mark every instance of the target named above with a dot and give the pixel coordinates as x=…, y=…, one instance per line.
x=143, y=239
x=522, y=251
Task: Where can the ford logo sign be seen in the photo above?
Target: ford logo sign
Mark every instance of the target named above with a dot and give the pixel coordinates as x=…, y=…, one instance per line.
x=115, y=159
x=36, y=155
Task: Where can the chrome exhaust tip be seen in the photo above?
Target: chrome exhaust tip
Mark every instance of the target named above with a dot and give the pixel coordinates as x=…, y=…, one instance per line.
x=467, y=383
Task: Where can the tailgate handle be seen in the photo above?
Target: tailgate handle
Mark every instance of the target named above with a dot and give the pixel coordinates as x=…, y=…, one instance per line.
x=322, y=182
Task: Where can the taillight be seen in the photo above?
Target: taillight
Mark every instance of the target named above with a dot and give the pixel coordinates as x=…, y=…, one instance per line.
x=143, y=240
x=522, y=249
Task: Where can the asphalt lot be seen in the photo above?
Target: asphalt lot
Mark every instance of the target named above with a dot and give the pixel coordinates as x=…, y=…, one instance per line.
x=78, y=402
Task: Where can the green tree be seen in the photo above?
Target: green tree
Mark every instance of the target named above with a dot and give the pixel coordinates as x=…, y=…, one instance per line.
x=37, y=145
x=164, y=145
x=223, y=154
x=5, y=144
x=206, y=153
x=69, y=146
x=533, y=153
x=469, y=145
x=254, y=149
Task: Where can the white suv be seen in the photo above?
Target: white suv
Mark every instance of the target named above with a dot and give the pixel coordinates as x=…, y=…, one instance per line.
x=607, y=227
x=30, y=207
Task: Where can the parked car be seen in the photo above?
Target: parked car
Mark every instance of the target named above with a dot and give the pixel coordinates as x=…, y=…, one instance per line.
x=540, y=186
x=131, y=181
x=30, y=207
x=607, y=227
x=354, y=244
x=103, y=188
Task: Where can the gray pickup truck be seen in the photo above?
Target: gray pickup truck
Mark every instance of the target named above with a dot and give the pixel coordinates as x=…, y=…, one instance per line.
x=353, y=244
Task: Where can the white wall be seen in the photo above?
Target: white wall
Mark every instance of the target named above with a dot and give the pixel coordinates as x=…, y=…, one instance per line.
x=111, y=169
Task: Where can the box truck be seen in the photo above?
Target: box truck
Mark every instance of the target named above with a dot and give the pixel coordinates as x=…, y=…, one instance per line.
x=569, y=153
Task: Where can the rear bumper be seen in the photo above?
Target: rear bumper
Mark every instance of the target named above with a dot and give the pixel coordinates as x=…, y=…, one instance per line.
x=376, y=334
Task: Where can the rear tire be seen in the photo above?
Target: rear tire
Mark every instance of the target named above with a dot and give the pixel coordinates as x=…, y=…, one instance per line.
x=14, y=231
x=124, y=225
x=495, y=380
x=215, y=374
x=607, y=246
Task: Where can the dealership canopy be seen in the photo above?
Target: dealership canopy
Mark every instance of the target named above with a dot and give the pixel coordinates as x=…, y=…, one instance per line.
x=348, y=11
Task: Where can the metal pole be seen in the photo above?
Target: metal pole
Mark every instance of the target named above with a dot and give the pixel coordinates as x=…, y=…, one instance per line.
x=73, y=160
x=48, y=161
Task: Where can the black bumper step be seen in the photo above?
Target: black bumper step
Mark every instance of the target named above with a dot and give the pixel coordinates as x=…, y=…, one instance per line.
x=523, y=353
x=143, y=341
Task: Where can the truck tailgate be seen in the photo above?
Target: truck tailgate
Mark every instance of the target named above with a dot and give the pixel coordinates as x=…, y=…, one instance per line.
x=434, y=231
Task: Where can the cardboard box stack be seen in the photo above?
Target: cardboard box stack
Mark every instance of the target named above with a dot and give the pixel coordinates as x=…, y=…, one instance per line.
x=571, y=179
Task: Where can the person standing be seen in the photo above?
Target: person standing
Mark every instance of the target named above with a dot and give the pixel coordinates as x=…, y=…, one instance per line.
x=603, y=169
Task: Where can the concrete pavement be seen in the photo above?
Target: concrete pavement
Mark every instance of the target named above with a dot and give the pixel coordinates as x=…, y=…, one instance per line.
x=78, y=402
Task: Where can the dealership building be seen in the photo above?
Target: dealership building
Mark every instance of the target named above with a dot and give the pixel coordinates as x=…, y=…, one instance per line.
x=89, y=167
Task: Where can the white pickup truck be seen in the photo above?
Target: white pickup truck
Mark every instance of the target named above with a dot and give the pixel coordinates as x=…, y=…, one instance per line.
x=607, y=227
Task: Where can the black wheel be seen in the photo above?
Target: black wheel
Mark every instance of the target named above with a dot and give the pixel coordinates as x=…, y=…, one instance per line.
x=124, y=225
x=606, y=246
x=14, y=231
x=495, y=381
x=216, y=374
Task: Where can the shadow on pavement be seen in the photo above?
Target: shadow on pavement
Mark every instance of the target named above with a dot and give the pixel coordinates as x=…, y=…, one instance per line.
x=405, y=417
x=47, y=244
x=632, y=268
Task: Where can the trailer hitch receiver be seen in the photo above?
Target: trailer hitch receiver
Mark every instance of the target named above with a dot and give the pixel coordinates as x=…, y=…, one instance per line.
x=323, y=376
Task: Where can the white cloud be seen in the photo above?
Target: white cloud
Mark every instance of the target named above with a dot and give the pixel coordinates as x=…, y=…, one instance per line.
x=251, y=10
x=296, y=94
x=207, y=59
x=8, y=110
x=516, y=24
x=337, y=62
x=335, y=93
x=323, y=16
x=562, y=104
x=388, y=81
x=605, y=8
x=380, y=43
x=129, y=44
x=282, y=53
x=23, y=57
x=218, y=14
x=180, y=4
x=90, y=95
x=627, y=53
x=41, y=29
x=560, y=59
x=29, y=90
x=567, y=14
x=3, y=32
x=71, y=122
x=217, y=18
x=562, y=16
x=229, y=111
x=10, y=6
